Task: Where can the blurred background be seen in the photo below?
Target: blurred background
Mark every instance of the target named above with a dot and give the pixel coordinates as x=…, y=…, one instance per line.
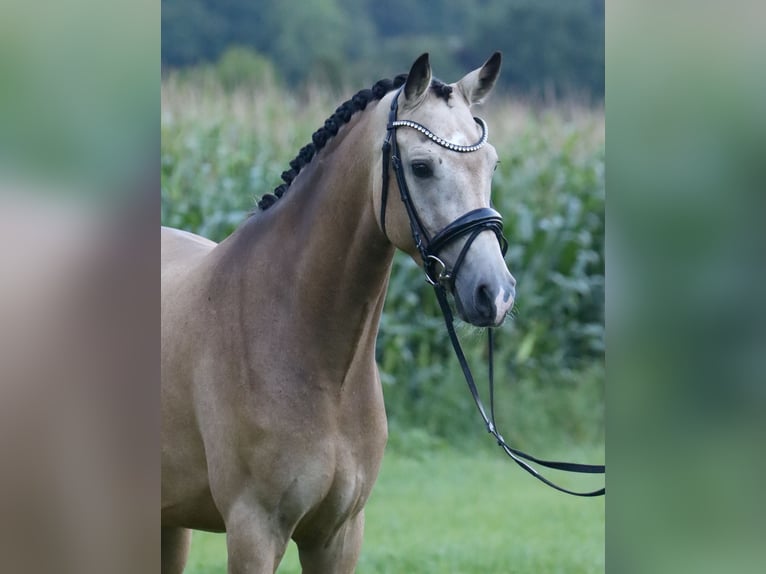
x=245, y=84
x=552, y=48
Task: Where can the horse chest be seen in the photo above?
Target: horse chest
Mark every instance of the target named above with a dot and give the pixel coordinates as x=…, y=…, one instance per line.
x=334, y=461
x=330, y=494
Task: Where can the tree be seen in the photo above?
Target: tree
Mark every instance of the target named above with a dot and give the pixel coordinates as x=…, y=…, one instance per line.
x=547, y=44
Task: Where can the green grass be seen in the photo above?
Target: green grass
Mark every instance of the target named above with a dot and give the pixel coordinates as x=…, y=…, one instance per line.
x=464, y=513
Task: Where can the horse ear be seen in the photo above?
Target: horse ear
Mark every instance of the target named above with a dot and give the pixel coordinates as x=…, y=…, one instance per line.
x=418, y=79
x=476, y=85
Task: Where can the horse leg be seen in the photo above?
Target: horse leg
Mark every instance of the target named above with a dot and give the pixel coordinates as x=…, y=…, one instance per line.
x=340, y=555
x=252, y=546
x=175, y=549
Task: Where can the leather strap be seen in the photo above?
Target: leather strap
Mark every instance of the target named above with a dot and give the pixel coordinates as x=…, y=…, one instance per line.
x=484, y=217
x=515, y=454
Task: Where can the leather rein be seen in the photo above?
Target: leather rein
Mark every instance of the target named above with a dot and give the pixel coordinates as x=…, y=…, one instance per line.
x=442, y=278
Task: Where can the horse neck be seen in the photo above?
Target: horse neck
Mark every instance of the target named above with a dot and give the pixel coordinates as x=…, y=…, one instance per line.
x=344, y=259
x=328, y=253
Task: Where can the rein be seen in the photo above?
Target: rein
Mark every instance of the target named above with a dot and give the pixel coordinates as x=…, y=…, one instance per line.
x=441, y=277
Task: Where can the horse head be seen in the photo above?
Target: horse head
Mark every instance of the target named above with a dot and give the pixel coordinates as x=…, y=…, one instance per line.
x=438, y=156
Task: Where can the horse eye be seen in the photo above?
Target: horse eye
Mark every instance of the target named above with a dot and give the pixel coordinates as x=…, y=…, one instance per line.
x=421, y=169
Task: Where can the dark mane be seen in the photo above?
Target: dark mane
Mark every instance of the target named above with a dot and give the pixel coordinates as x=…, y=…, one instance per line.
x=342, y=115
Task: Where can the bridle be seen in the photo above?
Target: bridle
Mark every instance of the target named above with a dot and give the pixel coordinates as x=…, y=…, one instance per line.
x=442, y=278
x=471, y=223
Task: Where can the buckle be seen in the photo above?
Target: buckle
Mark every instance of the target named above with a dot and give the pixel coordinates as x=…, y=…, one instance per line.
x=442, y=277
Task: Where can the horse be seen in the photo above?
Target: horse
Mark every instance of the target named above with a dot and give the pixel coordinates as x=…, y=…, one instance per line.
x=273, y=421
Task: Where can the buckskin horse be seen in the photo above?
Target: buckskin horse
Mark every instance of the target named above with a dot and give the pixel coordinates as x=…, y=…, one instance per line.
x=273, y=423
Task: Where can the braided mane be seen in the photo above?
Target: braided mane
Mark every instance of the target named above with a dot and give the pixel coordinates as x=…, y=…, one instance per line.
x=342, y=115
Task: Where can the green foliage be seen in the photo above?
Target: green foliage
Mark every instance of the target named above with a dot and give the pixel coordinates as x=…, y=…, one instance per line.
x=239, y=66
x=220, y=151
x=449, y=512
x=551, y=47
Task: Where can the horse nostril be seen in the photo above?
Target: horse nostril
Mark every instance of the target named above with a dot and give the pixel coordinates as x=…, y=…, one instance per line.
x=485, y=305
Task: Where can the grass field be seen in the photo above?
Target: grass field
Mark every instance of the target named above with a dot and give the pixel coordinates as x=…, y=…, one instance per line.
x=460, y=513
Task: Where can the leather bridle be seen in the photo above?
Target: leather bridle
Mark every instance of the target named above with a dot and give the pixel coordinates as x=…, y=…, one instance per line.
x=442, y=278
x=471, y=223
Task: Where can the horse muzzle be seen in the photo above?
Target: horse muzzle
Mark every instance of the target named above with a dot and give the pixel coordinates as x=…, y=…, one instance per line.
x=486, y=303
x=483, y=288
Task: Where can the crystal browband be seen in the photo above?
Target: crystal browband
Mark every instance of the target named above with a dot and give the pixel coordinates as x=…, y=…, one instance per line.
x=441, y=141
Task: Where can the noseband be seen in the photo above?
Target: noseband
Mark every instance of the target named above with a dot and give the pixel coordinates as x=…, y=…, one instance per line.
x=470, y=224
x=441, y=278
